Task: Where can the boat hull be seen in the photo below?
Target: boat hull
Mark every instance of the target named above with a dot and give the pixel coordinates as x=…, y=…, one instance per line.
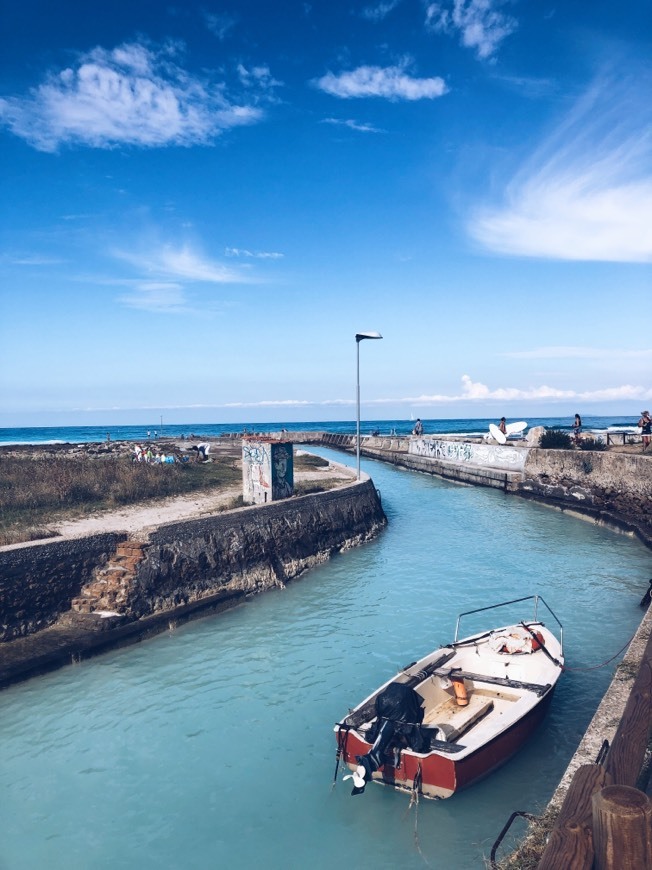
x=436, y=775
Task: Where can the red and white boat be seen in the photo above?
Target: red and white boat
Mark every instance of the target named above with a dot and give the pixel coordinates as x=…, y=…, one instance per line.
x=457, y=714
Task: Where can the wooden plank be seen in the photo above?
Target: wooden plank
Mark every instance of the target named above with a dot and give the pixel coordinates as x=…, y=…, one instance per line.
x=498, y=681
x=627, y=751
x=570, y=845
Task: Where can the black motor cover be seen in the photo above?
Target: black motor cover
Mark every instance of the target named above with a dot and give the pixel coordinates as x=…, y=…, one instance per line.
x=400, y=703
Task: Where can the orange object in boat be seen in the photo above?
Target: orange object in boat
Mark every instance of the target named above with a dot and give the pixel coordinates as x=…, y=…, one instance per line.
x=460, y=692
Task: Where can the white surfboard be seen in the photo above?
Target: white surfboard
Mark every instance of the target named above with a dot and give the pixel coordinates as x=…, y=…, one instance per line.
x=515, y=428
x=496, y=434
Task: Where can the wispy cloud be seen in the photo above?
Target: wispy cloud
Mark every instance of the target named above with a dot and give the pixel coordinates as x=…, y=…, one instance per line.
x=586, y=192
x=379, y=11
x=390, y=83
x=132, y=95
x=472, y=391
x=30, y=260
x=257, y=255
x=480, y=23
x=158, y=297
x=182, y=262
x=358, y=126
x=219, y=24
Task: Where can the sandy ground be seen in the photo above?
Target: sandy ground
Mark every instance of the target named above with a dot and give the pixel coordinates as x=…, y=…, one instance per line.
x=143, y=517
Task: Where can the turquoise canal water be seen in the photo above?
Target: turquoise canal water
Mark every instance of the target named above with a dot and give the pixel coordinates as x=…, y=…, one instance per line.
x=212, y=745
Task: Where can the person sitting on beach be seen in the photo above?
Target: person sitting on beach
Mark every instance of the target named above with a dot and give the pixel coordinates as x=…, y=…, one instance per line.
x=503, y=426
x=646, y=428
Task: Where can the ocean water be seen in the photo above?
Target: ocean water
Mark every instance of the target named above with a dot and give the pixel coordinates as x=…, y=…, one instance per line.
x=467, y=426
x=212, y=745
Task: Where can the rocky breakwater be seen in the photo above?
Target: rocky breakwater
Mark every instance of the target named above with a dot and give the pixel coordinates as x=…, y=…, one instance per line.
x=614, y=488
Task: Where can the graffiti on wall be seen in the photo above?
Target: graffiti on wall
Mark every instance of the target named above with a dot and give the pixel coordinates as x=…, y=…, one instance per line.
x=282, y=471
x=256, y=472
x=488, y=455
x=267, y=471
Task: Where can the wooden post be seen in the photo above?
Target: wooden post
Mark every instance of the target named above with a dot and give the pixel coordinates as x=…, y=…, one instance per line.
x=622, y=829
x=570, y=844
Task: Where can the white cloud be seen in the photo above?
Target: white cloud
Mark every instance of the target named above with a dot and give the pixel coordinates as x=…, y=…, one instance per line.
x=358, y=126
x=159, y=297
x=391, y=83
x=379, y=11
x=181, y=263
x=30, y=260
x=219, y=24
x=472, y=392
x=258, y=255
x=132, y=95
x=586, y=192
x=479, y=22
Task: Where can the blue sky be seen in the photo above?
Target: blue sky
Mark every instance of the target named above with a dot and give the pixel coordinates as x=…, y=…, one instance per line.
x=203, y=202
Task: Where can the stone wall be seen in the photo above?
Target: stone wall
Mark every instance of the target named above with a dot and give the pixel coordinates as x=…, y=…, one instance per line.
x=38, y=581
x=614, y=486
x=252, y=550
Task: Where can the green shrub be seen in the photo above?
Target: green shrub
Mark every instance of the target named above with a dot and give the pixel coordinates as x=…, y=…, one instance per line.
x=592, y=444
x=555, y=439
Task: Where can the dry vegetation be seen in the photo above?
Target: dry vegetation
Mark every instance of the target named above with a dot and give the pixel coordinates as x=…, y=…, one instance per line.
x=37, y=490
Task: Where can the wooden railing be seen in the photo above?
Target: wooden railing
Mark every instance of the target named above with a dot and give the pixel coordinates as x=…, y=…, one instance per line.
x=605, y=821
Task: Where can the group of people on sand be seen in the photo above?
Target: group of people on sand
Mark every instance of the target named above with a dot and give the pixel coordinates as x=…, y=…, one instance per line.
x=147, y=455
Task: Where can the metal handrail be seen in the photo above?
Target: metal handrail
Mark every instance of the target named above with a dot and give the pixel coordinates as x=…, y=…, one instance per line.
x=535, y=598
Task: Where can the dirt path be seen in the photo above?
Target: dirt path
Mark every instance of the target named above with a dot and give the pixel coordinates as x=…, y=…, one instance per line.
x=143, y=517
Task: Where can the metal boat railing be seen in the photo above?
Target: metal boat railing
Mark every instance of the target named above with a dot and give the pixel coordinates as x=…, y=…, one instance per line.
x=535, y=598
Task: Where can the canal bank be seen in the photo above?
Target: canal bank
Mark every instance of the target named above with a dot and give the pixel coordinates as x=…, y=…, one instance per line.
x=212, y=742
x=609, y=487
x=65, y=599
x=613, y=490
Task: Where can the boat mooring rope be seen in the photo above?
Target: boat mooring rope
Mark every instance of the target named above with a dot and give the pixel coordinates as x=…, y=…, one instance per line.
x=595, y=667
x=414, y=800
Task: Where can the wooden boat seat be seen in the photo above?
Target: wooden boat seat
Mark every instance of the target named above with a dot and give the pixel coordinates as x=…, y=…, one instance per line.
x=454, y=720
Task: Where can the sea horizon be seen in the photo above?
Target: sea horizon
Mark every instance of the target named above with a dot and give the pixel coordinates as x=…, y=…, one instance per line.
x=432, y=426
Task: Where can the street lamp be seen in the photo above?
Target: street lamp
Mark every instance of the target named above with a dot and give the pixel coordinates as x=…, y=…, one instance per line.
x=360, y=336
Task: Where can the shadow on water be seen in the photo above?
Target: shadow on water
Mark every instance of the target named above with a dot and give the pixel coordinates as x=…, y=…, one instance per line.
x=213, y=743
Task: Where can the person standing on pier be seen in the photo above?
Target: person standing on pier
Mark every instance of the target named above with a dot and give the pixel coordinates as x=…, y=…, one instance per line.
x=646, y=428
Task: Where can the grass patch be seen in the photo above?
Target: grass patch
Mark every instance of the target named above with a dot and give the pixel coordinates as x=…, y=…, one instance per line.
x=37, y=491
x=308, y=461
x=309, y=487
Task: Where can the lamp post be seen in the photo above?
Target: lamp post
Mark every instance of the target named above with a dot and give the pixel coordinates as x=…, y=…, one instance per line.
x=360, y=336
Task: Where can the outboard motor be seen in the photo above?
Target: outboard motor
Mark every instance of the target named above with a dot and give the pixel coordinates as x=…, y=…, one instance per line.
x=399, y=714
x=647, y=598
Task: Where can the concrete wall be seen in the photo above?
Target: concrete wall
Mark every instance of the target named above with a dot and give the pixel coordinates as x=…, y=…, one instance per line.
x=38, y=581
x=509, y=458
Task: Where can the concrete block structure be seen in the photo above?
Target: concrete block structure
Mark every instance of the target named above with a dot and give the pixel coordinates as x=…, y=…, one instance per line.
x=267, y=470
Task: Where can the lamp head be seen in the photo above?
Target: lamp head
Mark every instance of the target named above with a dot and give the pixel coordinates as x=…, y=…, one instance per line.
x=360, y=336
